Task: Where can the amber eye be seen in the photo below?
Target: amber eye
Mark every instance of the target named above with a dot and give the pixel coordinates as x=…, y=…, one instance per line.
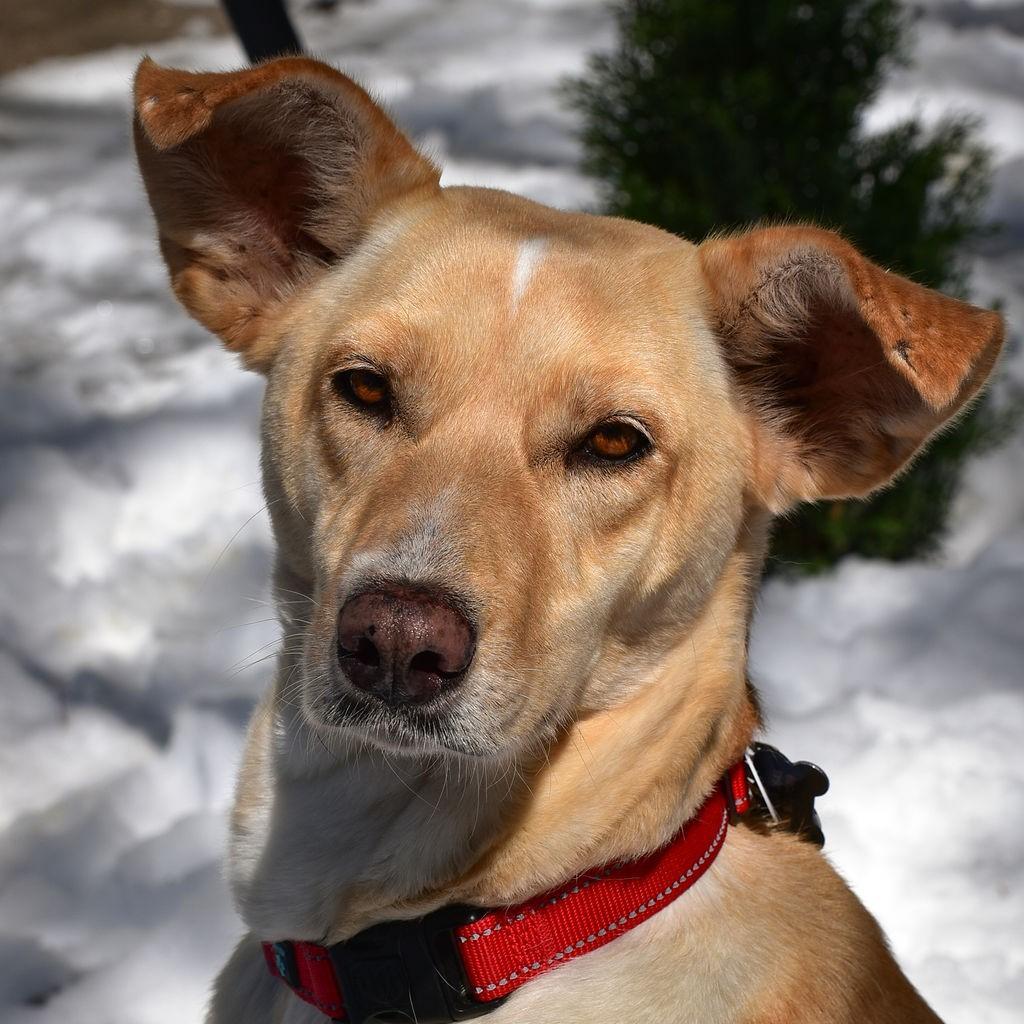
x=616, y=441
x=365, y=389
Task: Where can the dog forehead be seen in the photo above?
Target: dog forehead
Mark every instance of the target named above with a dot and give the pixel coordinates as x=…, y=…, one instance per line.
x=476, y=275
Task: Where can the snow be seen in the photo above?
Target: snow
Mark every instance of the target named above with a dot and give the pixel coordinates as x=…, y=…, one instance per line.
x=134, y=547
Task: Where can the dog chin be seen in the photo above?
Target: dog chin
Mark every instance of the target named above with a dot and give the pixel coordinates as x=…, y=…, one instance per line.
x=408, y=732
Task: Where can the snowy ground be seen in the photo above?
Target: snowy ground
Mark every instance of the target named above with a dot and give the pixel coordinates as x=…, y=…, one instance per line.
x=134, y=549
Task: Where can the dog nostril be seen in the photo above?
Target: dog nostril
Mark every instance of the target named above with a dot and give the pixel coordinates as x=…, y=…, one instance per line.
x=365, y=652
x=428, y=661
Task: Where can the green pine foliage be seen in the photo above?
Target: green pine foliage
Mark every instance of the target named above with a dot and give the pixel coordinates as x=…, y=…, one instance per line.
x=715, y=114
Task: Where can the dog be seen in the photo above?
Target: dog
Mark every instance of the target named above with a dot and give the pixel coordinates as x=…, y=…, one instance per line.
x=521, y=466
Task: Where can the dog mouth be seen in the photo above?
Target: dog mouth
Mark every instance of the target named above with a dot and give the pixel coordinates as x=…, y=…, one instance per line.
x=428, y=728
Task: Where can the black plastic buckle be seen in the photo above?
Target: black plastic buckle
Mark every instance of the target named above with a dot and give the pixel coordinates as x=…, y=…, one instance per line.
x=786, y=790
x=404, y=971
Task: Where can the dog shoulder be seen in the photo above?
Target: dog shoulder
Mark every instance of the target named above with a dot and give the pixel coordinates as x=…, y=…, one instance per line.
x=812, y=951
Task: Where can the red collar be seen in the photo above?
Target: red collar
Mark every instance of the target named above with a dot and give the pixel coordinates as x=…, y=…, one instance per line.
x=458, y=962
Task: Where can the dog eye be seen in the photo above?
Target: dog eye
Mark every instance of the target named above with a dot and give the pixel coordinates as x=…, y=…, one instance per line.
x=364, y=389
x=616, y=441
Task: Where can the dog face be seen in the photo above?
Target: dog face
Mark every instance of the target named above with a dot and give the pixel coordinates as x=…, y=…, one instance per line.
x=509, y=451
x=517, y=446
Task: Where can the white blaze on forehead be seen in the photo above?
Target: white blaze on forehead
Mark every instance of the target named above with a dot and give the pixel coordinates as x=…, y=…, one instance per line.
x=531, y=252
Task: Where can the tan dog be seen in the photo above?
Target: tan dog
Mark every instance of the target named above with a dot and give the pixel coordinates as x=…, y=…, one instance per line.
x=539, y=452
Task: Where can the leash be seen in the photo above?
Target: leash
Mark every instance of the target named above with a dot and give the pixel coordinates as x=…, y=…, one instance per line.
x=462, y=962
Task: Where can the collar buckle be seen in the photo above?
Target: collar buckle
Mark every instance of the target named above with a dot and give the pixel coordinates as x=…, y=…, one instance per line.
x=408, y=970
x=786, y=790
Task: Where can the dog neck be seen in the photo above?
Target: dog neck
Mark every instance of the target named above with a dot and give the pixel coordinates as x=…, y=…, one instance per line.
x=329, y=837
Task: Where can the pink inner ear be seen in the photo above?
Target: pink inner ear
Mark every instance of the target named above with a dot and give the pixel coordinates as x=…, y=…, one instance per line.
x=259, y=179
x=236, y=230
x=843, y=419
x=834, y=369
x=270, y=189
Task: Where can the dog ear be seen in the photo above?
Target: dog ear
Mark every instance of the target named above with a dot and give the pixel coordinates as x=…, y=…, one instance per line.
x=846, y=368
x=261, y=178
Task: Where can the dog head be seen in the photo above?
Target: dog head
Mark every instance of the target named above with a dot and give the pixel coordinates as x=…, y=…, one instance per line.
x=511, y=451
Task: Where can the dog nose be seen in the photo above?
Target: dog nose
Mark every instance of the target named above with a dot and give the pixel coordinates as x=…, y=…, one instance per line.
x=403, y=646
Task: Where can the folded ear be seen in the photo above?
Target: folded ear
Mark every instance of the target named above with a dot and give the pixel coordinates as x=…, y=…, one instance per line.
x=261, y=178
x=845, y=367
